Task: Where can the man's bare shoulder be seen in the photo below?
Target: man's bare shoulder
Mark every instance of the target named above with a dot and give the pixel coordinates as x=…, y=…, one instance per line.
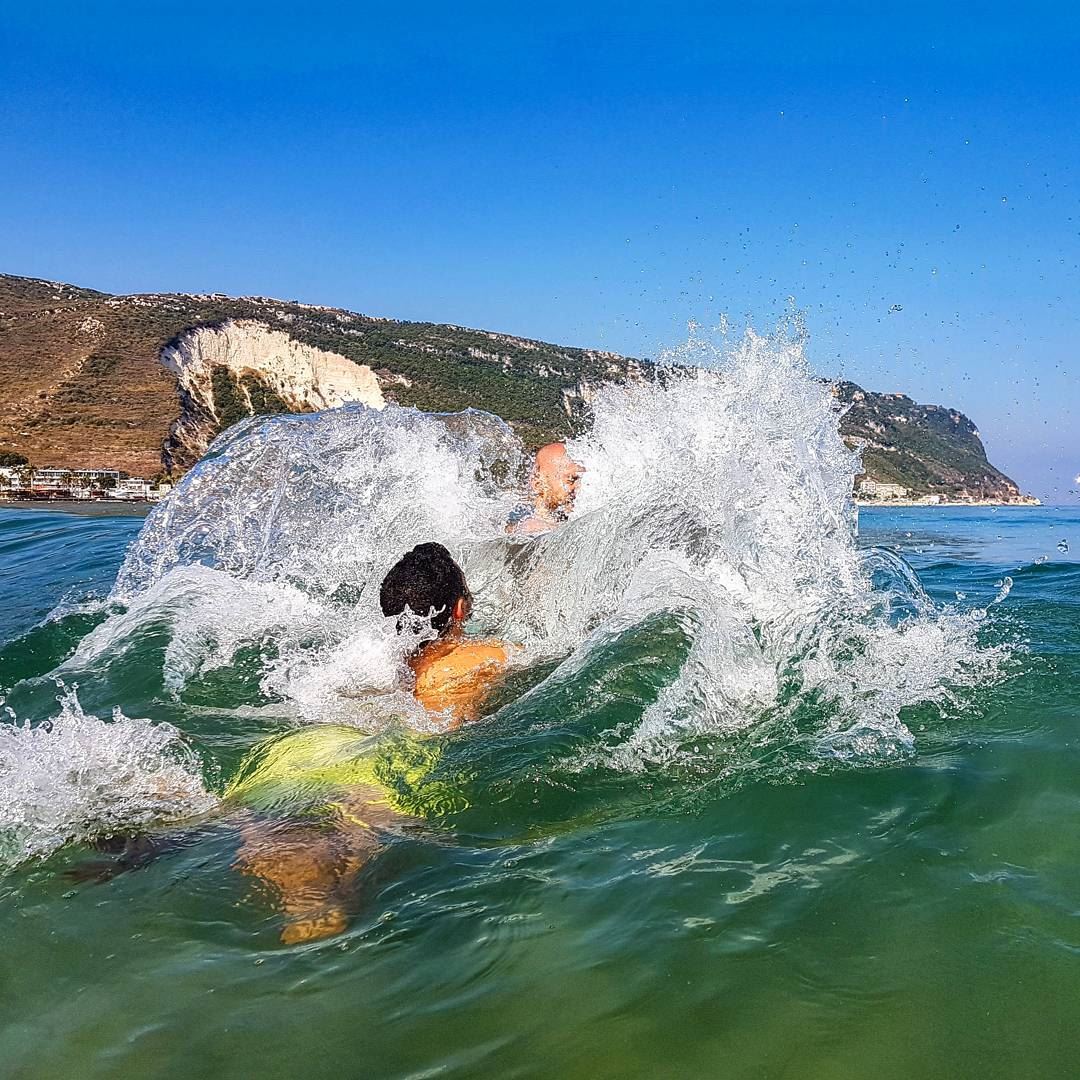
x=462, y=658
x=458, y=676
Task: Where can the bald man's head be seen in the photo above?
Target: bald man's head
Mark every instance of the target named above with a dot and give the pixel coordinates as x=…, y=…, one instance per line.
x=554, y=478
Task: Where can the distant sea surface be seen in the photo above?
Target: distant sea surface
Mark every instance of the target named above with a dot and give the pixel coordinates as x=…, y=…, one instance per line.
x=908, y=918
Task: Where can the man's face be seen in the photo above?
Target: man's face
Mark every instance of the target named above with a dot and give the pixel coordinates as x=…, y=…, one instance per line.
x=555, y=477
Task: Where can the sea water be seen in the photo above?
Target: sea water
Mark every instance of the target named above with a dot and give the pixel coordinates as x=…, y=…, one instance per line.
x=774, y=788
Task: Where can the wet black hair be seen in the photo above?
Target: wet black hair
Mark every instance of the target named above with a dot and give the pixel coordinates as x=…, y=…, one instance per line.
x=426, y=581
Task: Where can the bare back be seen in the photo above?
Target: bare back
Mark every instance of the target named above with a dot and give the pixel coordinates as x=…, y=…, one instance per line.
x=457, y=675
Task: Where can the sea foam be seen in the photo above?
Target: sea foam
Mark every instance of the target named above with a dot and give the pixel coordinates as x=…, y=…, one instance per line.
x=720, y=489
x=77, y=776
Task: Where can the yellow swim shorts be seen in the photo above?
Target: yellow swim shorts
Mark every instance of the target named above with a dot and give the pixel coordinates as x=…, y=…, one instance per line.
x=307, y=772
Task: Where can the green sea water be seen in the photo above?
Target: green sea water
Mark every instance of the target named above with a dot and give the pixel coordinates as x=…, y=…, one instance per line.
x=914, y=914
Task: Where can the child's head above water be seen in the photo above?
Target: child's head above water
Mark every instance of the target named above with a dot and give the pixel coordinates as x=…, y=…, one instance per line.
x=427, y=581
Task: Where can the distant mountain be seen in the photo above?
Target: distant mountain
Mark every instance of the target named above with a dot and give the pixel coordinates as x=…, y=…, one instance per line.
x=144, y=382
x=927, y=449
x=83, y=382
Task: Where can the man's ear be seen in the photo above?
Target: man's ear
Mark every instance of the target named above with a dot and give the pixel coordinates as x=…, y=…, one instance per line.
x=460, y=610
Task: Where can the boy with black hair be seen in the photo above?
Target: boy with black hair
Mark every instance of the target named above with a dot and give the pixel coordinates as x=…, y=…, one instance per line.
x=451, y=673
x=322, y=794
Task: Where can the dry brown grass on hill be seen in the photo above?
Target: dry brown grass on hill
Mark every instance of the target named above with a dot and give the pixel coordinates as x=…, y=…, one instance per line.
x=80, y=389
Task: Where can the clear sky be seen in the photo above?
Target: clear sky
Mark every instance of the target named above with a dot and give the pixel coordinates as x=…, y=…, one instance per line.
x=592, y=174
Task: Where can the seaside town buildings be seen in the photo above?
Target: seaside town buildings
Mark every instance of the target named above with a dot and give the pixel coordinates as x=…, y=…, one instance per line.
x=21, y=482
x=878, y=489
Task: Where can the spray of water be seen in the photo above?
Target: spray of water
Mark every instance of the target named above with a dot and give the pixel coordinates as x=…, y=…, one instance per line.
x=718, y=493
x=724, y=492
x=281, y=536
x=76, y=776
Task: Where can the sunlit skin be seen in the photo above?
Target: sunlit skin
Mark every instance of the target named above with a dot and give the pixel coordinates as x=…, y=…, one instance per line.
x=554, y=481
x=312, y=869
x=453, y=674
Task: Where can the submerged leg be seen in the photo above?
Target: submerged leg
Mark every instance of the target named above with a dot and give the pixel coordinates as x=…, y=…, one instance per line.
x=310, y=869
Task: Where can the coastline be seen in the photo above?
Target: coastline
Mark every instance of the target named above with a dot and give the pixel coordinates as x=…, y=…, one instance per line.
x=81, y=507
x=907, y=503
x=92, y=508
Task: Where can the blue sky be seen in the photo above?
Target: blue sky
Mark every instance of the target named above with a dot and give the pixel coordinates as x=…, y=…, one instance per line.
x=593, y=174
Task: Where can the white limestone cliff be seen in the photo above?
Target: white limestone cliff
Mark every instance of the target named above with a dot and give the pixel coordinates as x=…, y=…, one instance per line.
x=304, y=377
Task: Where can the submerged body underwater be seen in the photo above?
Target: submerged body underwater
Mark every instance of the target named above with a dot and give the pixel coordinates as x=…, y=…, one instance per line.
x=769, y=789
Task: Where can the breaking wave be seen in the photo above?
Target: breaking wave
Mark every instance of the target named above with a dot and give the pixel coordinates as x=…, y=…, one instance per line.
x=75, y=776
x=716, y=496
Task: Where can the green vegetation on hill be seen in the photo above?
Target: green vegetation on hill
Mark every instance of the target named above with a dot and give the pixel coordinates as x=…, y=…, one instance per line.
x=445, y=374
x=81, y=383
x=237, y=398
x=927, y=449
x=531, y=384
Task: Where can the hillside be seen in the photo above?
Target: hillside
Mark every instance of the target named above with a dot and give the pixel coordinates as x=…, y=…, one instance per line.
x=82, y=382
x=927, y=449
x=143, y=382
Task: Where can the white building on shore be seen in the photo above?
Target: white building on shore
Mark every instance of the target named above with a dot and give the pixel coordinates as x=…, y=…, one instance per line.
x=73, y=483
x=22, y=482
x=14, y=478
x=879, y=489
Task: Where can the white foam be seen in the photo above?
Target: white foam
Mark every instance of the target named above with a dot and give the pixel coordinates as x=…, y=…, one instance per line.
x=77, y=776
x=722, y=490
x=281, y=536
x=725, y=492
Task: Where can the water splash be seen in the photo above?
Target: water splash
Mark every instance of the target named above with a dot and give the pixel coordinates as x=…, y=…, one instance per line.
x=76, y=777
x=724, y=491
x=721, y=490
x=329, y=499
x=281, y=535
x=717, y=493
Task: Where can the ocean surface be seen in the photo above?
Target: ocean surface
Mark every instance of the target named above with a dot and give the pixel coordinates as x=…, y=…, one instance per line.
x=861, y=859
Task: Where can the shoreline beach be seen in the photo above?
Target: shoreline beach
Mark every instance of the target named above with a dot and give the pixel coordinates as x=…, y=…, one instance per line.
x=81, y=508
x=117, y=508
x=884, y=505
